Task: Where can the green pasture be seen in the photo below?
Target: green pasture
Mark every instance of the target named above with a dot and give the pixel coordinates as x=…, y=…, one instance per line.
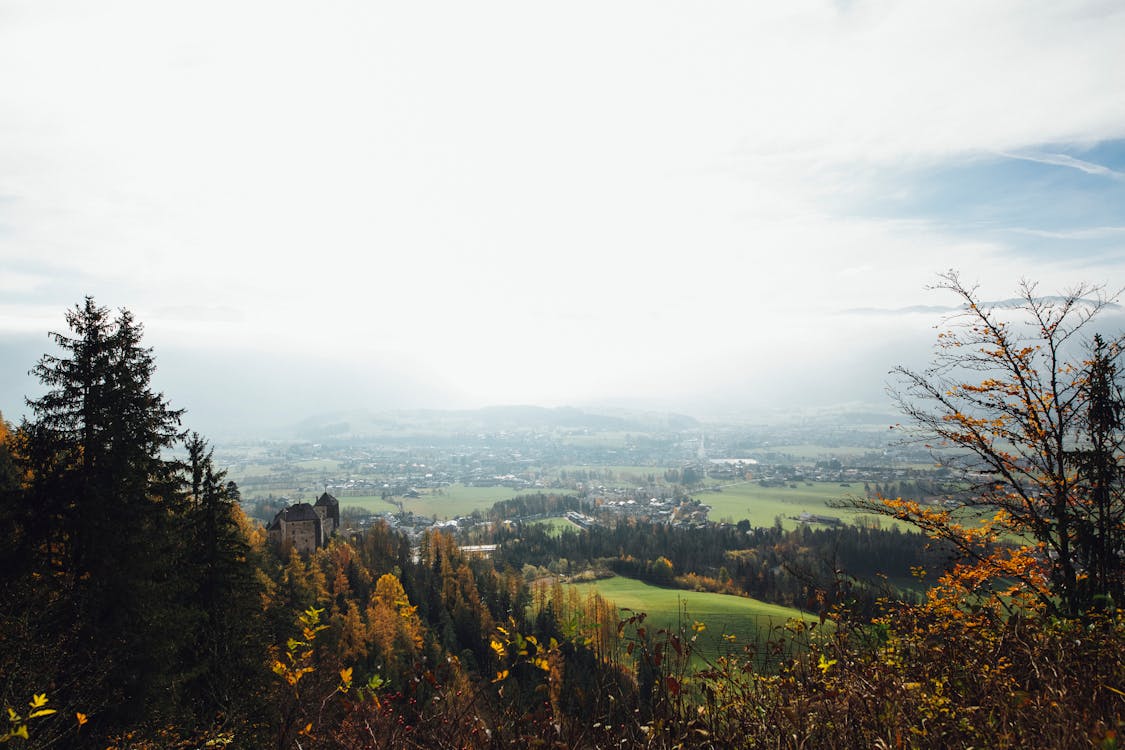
x=557, y=525
x=298, y=479
x=760, y=505
x=748, y=620
x=444, y=502
x=317, y=464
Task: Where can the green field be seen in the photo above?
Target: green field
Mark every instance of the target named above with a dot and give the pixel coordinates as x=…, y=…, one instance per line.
x=445, y=502
x=317, y=464
x=748, y=620
x=761, y=505
x=557, y=525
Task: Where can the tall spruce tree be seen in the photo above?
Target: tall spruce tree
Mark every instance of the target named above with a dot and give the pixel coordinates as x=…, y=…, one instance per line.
x=105, y=502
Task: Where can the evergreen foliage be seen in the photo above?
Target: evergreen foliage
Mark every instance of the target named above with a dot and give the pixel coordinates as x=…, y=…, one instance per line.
x=125, y=569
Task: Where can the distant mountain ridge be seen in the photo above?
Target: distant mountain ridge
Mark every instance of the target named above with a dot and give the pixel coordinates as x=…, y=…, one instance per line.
x=488, y=419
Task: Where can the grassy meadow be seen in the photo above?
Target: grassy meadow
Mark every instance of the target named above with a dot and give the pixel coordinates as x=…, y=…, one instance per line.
x=445, y=502
x=761, y=505
x=557, y=525
x=748, y=620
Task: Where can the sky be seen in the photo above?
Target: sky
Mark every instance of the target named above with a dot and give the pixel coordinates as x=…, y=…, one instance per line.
x=705, y=207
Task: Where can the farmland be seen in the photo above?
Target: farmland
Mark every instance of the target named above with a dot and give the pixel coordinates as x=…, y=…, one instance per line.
x=761, y=505
x=619, y=470
x=442, y=502
x=558, y=525
x=748, y=620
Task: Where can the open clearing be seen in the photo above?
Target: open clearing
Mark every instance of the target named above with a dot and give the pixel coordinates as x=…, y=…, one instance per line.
x=557, y=525
x=445, y=502
x=748, y=620
x=761, y=505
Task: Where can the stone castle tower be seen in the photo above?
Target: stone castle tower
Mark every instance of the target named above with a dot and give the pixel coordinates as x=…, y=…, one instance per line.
x=306, y=527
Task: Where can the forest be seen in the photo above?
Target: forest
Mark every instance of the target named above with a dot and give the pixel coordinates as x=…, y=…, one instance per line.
x=143, y=609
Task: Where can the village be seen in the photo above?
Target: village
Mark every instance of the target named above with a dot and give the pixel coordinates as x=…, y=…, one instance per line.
x=455, y=483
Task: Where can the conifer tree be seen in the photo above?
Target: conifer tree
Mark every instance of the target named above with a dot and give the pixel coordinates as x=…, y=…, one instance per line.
x=224, y=600
x=104, y=502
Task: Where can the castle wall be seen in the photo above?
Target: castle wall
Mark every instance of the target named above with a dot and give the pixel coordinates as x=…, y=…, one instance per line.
x=303, y=535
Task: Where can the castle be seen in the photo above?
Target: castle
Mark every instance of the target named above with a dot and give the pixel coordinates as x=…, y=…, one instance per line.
x=305, y=527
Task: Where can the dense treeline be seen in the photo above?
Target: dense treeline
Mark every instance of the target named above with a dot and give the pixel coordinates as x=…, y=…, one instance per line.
x=921, y=488
x=809, y=568
x=539, y=504
x=447, y=647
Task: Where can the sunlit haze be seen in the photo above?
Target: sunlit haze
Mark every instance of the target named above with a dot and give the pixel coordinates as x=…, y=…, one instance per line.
x=710, y=208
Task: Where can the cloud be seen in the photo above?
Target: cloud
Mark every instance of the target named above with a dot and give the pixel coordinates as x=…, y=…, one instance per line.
x=192, y=313
x=1065, y=160
x=15, y=282
x=1087, y=233
x=1004, y=304
x=908, y=310
x=539, y=205
x=24, y=319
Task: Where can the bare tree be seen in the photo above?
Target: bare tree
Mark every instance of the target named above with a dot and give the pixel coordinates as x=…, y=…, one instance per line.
x=1023, y=401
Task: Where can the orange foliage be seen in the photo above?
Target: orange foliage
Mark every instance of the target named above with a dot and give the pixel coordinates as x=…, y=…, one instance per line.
x=1035, y=443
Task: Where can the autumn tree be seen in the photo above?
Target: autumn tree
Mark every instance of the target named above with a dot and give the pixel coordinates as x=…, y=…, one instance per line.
x=394, y=627
x=1023, y=400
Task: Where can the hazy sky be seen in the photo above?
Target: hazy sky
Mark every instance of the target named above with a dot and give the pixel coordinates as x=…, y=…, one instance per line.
x=312, y=205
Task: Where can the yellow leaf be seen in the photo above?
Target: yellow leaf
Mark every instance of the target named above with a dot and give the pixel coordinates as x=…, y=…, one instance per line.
x=81, y=718
x=346, y=676
x=41, y=712
x=501, y=676
x=38, y=700
x=825, y=664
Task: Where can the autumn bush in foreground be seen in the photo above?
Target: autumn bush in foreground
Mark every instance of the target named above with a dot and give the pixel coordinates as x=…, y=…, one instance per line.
x=925, y=677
